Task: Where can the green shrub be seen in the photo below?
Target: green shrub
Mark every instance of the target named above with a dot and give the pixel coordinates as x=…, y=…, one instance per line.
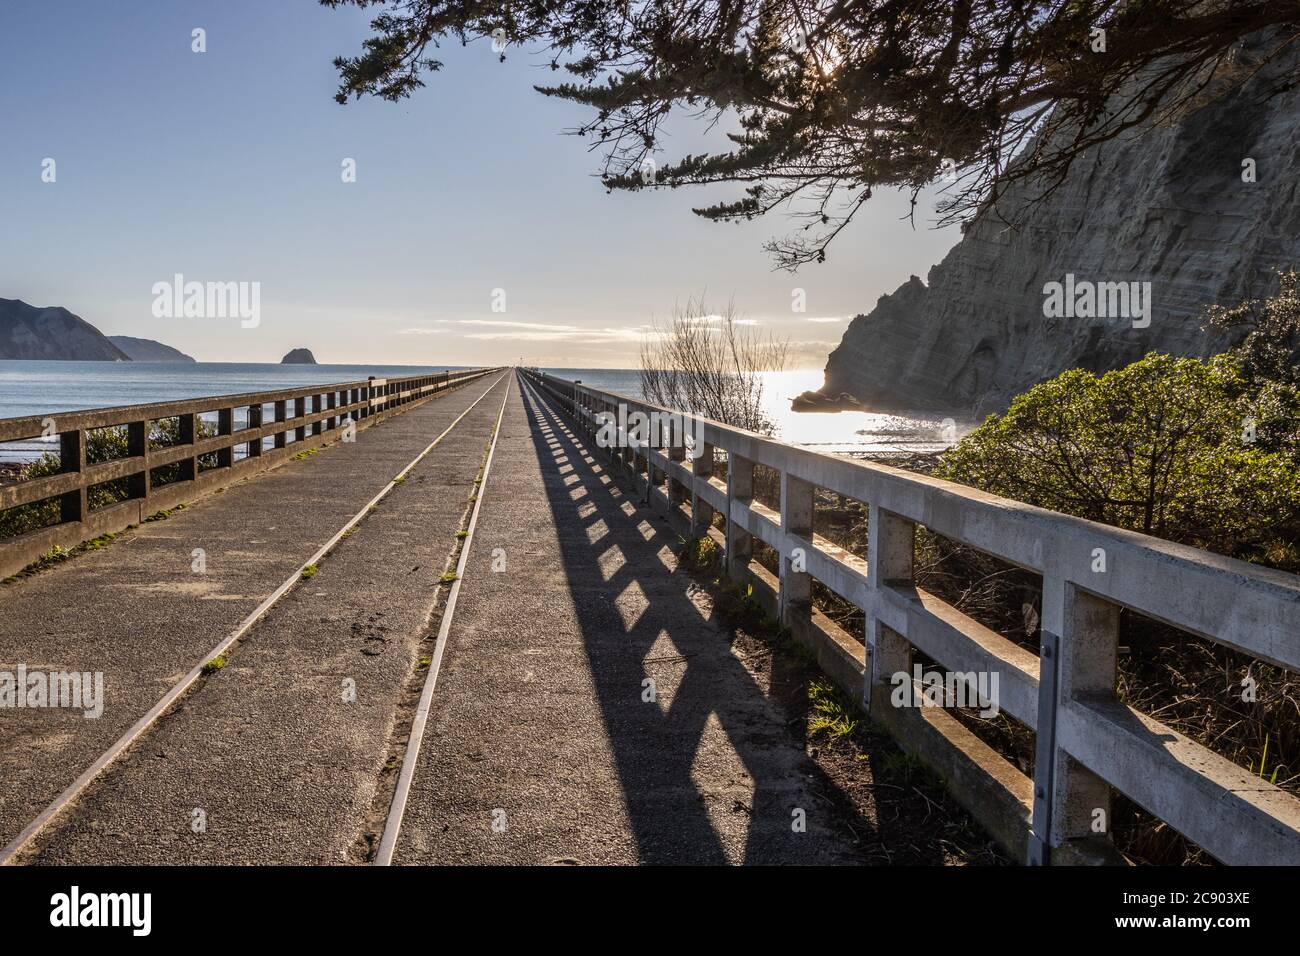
x=102, y=444
x=1180, y=448
x=1270, y=332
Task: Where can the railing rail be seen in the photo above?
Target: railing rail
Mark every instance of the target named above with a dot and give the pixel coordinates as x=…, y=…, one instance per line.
x=311, y=414
x=1087, y=741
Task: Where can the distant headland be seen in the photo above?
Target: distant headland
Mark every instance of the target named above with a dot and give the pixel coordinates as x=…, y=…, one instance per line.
x=53, y=333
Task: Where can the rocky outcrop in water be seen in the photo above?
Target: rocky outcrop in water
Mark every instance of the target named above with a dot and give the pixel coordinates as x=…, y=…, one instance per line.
x=1169, y=207
x=299, y=357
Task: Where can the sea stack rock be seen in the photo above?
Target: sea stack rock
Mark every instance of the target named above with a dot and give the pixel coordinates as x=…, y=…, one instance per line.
x=299, y=357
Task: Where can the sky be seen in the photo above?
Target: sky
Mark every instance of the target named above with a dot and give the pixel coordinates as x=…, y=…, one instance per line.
x=476, y=231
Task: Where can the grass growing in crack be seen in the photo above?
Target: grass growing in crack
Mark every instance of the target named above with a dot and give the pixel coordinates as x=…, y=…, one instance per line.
x=57, y=555
x=448, y=577
x=833, y=715
x=310, y=571
x=214, y=665
x=462, y=534
x=164, y=514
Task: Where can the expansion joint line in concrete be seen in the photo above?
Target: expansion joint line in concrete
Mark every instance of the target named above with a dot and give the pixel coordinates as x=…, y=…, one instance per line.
x=65, y=799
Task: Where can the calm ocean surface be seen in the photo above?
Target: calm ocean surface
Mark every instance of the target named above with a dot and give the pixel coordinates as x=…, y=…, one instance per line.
x=842, y=432
x=42, y=388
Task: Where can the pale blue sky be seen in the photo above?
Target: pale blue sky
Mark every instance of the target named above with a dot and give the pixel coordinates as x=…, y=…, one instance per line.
x=225, y=166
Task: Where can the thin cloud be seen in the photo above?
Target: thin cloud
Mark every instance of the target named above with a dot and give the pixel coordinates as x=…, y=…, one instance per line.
x=566, y=333
x=504, y=323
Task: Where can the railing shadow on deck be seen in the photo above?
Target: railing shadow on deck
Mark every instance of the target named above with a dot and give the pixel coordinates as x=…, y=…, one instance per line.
x=656, y=748
x=1088, y=742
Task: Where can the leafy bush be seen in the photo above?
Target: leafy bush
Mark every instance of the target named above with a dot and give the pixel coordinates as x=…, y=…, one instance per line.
x=1270, y=346
x=1202, y=452
x=1189, y=450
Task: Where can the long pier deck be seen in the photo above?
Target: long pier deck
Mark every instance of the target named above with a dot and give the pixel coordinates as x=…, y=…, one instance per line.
x=468, y=636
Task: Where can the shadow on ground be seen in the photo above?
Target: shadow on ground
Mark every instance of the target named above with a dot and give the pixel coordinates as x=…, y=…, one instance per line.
x=717, y=768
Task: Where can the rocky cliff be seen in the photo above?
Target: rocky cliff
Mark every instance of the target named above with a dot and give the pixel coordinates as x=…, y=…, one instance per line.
x=1167, y=205
x=33, y=332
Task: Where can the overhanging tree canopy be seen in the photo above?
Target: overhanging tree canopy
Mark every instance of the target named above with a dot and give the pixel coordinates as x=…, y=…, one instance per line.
x=836, y=98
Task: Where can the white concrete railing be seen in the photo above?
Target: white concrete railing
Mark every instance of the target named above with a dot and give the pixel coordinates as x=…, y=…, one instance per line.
x=1087, y=740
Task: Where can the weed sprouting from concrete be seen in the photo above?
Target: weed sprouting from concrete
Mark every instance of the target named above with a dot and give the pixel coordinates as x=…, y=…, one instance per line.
x=310, y=571
x=214, y=665
x=832, y=714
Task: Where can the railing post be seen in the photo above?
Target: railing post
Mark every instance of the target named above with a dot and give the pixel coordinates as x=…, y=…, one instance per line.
x=318, y=426
x=653, y=444
x=676, y=452
x=891, y=544
x=74, y=505
x=189, y=432
x=740, y=491
x=638, y=454
x=137, y=442
x=701, y=510
x=281, y=413
x=226, y=426
x=255, y=412
x=299, y=410
x=1077, y=657
x=796, y=583
x=626, y=454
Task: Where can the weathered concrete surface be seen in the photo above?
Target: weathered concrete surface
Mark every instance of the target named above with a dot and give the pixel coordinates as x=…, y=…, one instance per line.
x=282, y=766
x=138, y=613
x=539, y=720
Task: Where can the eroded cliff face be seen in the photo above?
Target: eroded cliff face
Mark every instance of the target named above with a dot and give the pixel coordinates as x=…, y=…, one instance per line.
x=1168, y=207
